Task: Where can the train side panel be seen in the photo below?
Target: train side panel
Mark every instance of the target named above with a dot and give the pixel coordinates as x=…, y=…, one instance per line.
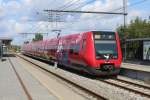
x=79, y=51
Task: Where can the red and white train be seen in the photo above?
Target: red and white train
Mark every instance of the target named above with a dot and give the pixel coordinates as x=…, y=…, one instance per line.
x=95, y=52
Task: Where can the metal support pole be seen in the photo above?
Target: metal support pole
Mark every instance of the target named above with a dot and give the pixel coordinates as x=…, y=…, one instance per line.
x=1, y=50
x=58, y=35
x=125, y=22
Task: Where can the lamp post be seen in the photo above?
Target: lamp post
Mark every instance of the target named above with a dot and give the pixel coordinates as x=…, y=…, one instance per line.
x=1, y=50
x=125, y=22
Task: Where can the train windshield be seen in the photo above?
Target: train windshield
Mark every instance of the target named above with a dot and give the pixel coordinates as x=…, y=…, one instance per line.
x=105, y=46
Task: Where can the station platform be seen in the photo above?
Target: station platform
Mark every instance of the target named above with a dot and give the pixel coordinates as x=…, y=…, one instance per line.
x=136, y=71
x=138, y=62
x=24, y=88
x=136, y=66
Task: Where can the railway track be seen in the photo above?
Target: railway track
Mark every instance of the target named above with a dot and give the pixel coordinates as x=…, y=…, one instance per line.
x=86, y=90
x=133, y=83
x=129, y=86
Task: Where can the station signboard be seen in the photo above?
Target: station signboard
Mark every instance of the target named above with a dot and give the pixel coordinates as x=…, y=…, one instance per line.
x=146, y=50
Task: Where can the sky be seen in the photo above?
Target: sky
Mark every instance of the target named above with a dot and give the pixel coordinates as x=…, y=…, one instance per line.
x=28, y=16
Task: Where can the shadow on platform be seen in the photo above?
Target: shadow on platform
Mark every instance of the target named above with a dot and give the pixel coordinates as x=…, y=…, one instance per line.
x=9, y=55
x=139, y=62
x=3, y=59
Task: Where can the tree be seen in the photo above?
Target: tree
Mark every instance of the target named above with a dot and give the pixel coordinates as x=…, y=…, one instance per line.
x=38, y=37
x=137, y=28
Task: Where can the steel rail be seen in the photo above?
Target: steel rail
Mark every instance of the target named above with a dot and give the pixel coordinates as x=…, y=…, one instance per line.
x=126, y=88
x=132, y=83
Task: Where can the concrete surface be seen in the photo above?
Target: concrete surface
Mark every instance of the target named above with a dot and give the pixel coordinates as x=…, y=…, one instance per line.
x=60, y=90
x=145, y=68
x=11, y=89
x=135, y=71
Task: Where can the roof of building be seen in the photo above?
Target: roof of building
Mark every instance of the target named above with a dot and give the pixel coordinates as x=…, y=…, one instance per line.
x=6, y=38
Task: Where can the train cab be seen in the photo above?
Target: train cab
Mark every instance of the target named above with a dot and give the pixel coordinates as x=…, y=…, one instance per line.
x=103, y=52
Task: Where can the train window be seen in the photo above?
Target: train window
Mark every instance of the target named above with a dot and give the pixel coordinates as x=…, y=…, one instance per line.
x=71, y=49
x=76, y=49
x=103, y=48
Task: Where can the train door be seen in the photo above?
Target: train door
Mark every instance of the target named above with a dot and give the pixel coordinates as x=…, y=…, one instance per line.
x=74, y=53
x=59, y=51
x=45, y=49
x=62, y=51
x=65, y=54
x=83, y=45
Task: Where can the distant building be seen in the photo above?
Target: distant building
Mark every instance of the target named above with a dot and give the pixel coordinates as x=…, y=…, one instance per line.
x=5, y=43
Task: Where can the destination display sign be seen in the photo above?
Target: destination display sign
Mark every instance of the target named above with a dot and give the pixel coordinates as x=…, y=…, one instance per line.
x=103, y=36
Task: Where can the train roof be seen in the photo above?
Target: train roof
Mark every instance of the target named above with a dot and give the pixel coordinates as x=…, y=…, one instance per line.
x=72, y=35
x=104, y=31
x=6, y=40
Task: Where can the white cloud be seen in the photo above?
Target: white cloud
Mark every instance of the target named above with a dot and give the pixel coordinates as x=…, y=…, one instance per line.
x=21, y=16
x=135, y=13
x=12, y=7
x=24, y=19
x=2, y=12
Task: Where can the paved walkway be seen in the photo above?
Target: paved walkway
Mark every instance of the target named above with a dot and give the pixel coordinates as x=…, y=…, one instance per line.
x=10, y=87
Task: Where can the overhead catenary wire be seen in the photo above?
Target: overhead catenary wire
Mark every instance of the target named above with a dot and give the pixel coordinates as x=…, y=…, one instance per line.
x=57, y=15
x=121, y=8
x=98, y=17
x=58, y=8
x=36, y=27
x=71, y=3
x=133, y=4
x=66, y=5
x=80, y=5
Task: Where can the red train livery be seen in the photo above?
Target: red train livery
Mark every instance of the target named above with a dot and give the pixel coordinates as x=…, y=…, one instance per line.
x=95, y=52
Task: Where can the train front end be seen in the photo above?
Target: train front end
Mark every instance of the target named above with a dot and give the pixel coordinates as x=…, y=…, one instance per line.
x=107, y=55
